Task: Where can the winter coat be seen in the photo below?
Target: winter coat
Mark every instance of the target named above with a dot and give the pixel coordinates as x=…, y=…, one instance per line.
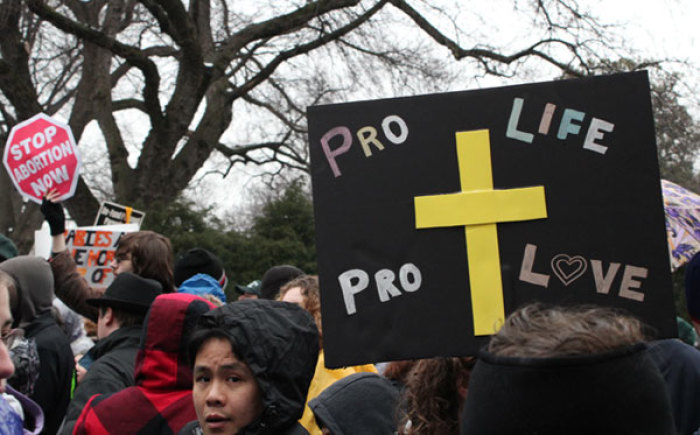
x=161, y=400
x=111, y=370
x=362, y=403
x=33, y=313
x=679, y=364
x=71, y=287
x=279, y=343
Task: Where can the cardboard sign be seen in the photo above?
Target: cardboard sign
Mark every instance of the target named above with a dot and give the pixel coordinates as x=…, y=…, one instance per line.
x=93, y=250
x=40, y=154
x=438, y=215
x=112, y=214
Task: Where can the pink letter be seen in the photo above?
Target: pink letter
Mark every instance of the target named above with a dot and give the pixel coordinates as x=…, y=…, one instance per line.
x=331, y=154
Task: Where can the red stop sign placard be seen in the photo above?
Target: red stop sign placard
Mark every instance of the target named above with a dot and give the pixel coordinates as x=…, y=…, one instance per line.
x=40, y=154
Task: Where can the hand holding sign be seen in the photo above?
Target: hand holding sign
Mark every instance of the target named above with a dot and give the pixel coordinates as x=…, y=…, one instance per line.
x=53, y=212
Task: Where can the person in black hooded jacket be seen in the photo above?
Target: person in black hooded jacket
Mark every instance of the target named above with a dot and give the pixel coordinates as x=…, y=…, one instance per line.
x=31, y=299
x=362, y=403
x=252, y=362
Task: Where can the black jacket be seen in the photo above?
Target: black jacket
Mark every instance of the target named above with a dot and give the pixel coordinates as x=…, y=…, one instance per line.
x=31, y=310
x=52, y=388
x=679, y=364
x=279, y=342
x=112, y=370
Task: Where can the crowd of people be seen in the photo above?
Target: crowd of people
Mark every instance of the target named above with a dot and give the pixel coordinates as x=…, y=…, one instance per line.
x=171, y=355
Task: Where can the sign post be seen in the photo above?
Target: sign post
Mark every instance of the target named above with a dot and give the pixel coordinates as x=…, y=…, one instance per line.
x=438, y=215
x=41, y=154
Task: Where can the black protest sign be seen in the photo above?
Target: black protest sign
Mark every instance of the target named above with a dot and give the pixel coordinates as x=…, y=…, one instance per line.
x=114, y=214
x=438, y=215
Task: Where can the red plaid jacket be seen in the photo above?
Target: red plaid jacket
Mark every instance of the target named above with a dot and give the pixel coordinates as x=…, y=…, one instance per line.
x=161, y=401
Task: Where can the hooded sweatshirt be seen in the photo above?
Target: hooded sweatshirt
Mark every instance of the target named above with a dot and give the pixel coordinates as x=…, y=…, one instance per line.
x=201, y=285
x=31, y=310
x=161, y=400
x=362, y=403
x=279, y=343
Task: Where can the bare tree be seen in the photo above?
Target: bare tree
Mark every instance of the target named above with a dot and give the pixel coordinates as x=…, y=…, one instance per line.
x=181, y=67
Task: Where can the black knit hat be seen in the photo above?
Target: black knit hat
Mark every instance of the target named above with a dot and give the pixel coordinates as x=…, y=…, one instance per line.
x=276, y=277
x=614, y=392
x=130, y=293
x=199, y=260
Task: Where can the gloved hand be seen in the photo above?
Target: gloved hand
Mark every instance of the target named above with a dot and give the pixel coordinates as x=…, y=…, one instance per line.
x=54, y=215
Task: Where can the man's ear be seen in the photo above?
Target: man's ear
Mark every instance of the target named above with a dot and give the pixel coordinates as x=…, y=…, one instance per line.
x=109, y=316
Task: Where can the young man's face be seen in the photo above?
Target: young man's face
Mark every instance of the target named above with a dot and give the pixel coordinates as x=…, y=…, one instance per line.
x=122, y=263
x=226, y=395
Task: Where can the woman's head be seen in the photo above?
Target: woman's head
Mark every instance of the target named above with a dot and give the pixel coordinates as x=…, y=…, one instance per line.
x=434, y=394
x=147, y=254
x=304, y=291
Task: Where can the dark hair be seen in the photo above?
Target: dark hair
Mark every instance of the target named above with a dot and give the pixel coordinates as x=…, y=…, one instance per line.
x=125, y=318
x=151, y=256
x=398, y=371
x=202, y=335
x=543, y=332
x=432, y=397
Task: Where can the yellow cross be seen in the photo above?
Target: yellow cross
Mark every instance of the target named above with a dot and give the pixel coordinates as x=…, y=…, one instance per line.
x=478, y=207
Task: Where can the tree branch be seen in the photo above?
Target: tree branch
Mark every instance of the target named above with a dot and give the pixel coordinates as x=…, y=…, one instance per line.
x=483, y=54
x=267, y=71
x=279, y=25
x=131, y=54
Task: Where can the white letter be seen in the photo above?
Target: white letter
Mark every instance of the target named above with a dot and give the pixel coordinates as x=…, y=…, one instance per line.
x=38, y=143
x=512, y=130
x=385, y=285
x=526, y=273
x=603, y=282
x=390, y=134
x=594, y=132
x=628, y=283
x=410, y=270
x=350, y=290
x=50, y=132
x=16, y=152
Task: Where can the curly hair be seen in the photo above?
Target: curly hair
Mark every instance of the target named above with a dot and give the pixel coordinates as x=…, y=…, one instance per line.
x=308, y=284
x=433, y=397
x=542, y=332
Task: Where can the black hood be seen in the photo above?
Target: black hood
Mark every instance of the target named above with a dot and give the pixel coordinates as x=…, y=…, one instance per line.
x=362, y=403
x=616, y=392
x=279, y=342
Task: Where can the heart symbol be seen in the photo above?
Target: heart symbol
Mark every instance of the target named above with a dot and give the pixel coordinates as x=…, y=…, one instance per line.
x=568, y=269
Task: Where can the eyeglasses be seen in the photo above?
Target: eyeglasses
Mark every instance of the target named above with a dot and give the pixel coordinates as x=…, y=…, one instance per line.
x=9, y=336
